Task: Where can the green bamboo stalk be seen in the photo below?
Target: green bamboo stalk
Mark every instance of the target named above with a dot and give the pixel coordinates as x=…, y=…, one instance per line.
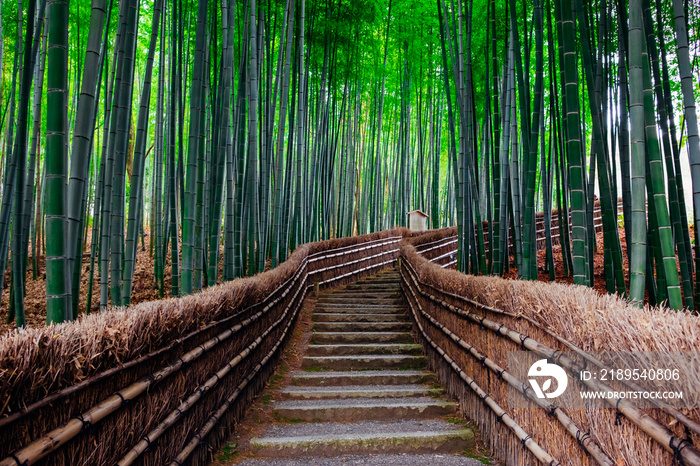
x=193, y=156
x=658, y=195
x=574, y=146
x=56, y=169
x=691, y=119
x=137, y=174
x=18, y=252
x=638, y=253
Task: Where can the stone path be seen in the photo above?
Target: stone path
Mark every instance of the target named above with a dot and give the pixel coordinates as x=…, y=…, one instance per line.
x=363, y=395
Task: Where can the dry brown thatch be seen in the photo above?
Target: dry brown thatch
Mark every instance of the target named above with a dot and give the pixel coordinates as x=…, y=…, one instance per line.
x=50, y=375
x=545, y=311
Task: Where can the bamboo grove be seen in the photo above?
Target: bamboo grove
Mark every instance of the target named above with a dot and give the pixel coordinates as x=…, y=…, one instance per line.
x=234, y=130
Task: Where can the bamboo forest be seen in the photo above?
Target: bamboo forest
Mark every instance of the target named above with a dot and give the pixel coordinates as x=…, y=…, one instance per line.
x=349, y=232
x=214, y=137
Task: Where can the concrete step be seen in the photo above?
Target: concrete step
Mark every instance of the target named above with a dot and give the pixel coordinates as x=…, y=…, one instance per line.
x=325, y=338
x=346, y=317
x=364, y=362
x=359, y=391
x=345, y=350
x=388, y=288
x=360, y=309
x=363, y=409
x=332, y=379
x=362, y=327
x=369, y=437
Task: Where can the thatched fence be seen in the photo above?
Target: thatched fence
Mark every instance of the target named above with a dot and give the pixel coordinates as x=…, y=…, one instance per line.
x=163, y=382
x=468, y=325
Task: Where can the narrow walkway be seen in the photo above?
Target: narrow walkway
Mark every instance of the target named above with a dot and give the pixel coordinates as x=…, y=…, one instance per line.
x=363, y=395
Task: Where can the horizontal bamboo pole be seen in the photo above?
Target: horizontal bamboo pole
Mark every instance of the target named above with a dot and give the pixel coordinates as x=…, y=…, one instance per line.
x=647, y=424
x=423, y=245
x=527, y=441
x=453, y=240
x=179, y=412
x=353, y=247
x=583, y=438
x=356, y=261
x=216, y=417
x=443, y=256
x=692, y=425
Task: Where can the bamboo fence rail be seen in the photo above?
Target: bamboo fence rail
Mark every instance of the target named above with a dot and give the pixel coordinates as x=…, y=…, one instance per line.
x=163, y=403
x=467, y=326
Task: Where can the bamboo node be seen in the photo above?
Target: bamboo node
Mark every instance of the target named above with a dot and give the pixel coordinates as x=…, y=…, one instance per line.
x=618, y=414
x=580, y=437
x=121, y=397
x=522, y=340
x=677, y=449
x=14, y=458
x=552, y=410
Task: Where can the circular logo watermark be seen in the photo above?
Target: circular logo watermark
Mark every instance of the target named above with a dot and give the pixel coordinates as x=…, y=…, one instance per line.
x=541, y=369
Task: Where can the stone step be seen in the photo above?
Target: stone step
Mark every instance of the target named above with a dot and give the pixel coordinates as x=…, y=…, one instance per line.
x=379, y=292
x=386, y=278
x=369, y=437
x=364, y=362
x=358, y=299
x=331, y=379
x=347, y=317
x=403, y=459
x=362, y=296
x=325, y=338
x=362, y=327
x=360, y=309
x=345, y=350
x=359, y=391
x=358, y=303
x=393, y=288
x=362, y=409
x=392, y=285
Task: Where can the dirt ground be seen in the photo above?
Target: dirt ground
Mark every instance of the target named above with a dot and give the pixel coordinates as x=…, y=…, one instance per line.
x=144, y=288
x=598, y=259
x=144, y=284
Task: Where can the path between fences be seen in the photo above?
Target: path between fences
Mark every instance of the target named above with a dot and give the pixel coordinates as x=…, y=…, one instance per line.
x=167, y=382
x=363, y=395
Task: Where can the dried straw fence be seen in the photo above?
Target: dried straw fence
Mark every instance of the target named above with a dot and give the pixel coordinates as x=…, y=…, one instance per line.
x=468, y=325
x=163, y=382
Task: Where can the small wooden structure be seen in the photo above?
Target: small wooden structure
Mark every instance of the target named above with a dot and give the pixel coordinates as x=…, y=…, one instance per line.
x=417, y=220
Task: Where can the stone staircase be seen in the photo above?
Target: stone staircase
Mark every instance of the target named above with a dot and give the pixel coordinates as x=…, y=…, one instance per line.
x=363, y=390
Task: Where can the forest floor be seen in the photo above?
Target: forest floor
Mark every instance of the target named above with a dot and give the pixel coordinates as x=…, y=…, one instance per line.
x=144, y=284
x=598, y=260
x=144, y=288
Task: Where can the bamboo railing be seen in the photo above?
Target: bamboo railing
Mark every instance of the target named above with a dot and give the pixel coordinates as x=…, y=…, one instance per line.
x=446, y=248
x=467, y=342
x=176, y=403
x=175, y=397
